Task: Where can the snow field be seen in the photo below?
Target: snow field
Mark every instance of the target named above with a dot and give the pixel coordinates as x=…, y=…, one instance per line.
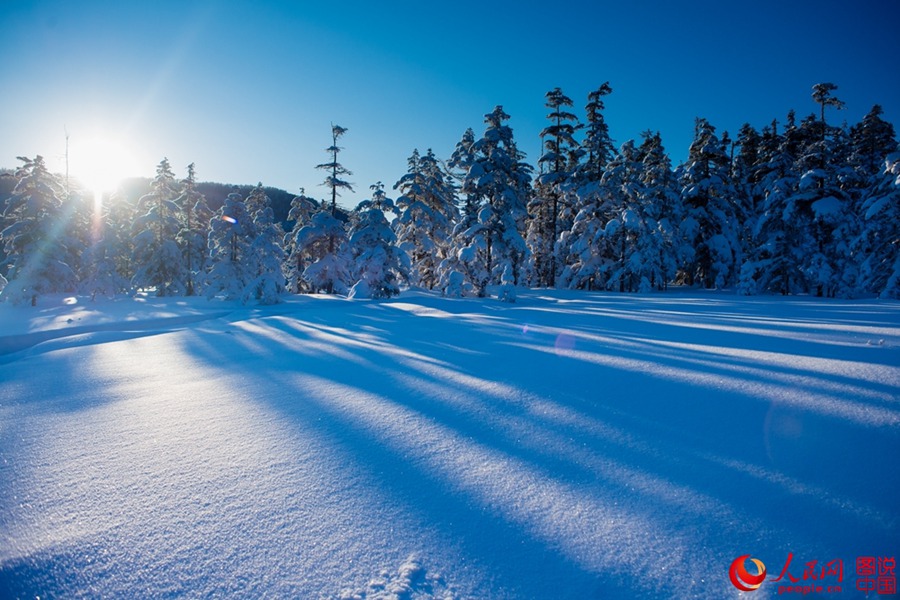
x=569, y=445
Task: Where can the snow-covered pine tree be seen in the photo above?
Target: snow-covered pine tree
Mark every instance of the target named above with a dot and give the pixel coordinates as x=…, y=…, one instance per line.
x=460, y=162
x=379, y=266
x=33, y=241
x=661, y=205
x=101, y=274
x=81, y=217
x=267, y=257
x=880, y=237
x=105, y=259
x=580, y=219
x=453, y=267
x=585, y=267
x=745, y=171
x=824, y=205
x=501, y=179
x=428, y=211
x=710, y=200
x=302, y=209
x=597, y=146
x=773, y=261
x=872, y=139
x=256, y=202
x=194, y=231
x=557, y=165
x=158, y=261
x=230, y=269
x=336, y=171
x=324, y=242
x=625, y=222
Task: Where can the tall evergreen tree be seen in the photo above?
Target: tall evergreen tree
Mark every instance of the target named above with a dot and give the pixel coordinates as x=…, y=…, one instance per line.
x=501, y=181
x=301, y=211
x=824, y=204
x=880, y=238
x=34, y=239
x=597, y=146
x=324, y=242
x=873, y=139
x=624, y=222
x=557, y=165
x=230, y=269
x=267, y=256
x=194, y=231
x=581, y=213
x=379, y=265
x=710, y=200
x=336, y=171
x=660, y=203
x=822, y=94
x=158, y=261
x=773, y=261
x=104, y=265
x=428, y=211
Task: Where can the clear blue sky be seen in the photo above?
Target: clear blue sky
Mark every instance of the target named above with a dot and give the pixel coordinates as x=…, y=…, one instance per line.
x=247, y=91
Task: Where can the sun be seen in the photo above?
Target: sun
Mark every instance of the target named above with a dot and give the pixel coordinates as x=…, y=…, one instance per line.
x=101, y=164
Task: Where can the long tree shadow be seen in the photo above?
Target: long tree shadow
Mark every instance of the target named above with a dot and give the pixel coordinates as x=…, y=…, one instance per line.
x=698, y=480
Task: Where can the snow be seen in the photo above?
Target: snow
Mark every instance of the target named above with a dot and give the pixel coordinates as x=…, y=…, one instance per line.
x=828, y=206
x=570, y=445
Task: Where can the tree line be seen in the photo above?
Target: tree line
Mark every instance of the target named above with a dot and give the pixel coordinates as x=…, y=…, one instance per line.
x=803, y=206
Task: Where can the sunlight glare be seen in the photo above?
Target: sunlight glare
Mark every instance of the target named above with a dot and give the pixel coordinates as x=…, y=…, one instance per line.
x=101, y=164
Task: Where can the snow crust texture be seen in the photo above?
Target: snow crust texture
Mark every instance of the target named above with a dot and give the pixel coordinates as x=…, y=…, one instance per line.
x=569, y=445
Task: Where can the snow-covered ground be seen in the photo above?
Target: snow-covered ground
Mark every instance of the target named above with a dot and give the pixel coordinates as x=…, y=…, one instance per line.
x=570, y=445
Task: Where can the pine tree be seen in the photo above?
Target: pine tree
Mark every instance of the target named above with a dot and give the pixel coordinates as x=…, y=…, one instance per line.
x=104, y=270
x=710, y=223
x=880, y=238
x=194, y=231
x=33, y=242
x=302, y=209
x=822, y=95
x=580, y=218
x=597, y=147
x=256, y=202
x=267, y=256
x=873, y=139
x=586, y=265
x=324, y=241
x=379, y=265
x=102, y=276
x=780, y=231
x=159, y=262
x=501, y=181
x=461, y=265
x=557, y=165
x=229, y=251
x=661, y=207
x=624, y=224
x=428, y=211
x=824, y=204
x=336, y=171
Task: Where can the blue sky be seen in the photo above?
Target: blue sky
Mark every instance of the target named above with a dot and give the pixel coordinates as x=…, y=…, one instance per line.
x=248, y=91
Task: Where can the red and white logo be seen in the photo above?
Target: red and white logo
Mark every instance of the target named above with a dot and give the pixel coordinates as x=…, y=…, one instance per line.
x=742, y=578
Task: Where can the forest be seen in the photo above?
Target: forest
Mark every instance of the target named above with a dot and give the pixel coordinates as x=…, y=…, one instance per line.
x=802, y=206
